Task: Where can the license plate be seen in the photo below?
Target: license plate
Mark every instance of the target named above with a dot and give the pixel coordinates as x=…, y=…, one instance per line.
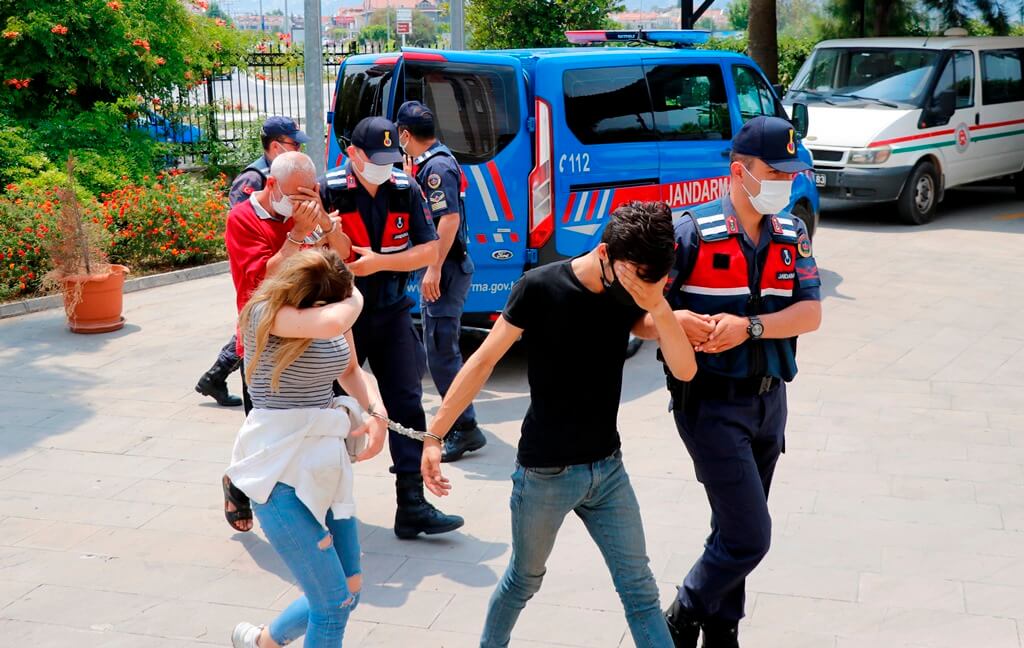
x=819, y=179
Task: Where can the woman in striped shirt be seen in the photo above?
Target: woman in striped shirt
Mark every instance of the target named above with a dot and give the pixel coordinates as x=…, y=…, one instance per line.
x=290, y=456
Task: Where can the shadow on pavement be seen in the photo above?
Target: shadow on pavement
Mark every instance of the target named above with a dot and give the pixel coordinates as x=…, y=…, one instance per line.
x=43, y=391
x=978, y=208
x=389, y=587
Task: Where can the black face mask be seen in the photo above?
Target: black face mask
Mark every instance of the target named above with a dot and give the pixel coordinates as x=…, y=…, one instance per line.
x=615, y=288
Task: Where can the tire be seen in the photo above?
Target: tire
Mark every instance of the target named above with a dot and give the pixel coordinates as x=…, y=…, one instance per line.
x=1018, y=184
x=920, y=197
x=809, y=218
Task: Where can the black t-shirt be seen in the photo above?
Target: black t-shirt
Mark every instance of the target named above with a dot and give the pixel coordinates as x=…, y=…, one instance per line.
x=575, y=349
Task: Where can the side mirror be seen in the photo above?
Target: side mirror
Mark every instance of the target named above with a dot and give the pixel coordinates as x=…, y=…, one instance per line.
x=940, y=108
x=947, y=104
x=801, y=120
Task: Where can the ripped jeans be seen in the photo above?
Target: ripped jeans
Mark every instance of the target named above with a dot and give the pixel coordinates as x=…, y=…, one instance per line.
x=323, y=612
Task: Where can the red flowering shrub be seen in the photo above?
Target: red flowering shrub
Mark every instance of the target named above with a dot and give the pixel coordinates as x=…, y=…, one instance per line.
x=170, y=220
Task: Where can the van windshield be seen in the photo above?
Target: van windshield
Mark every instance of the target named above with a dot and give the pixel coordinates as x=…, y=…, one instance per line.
x=364, y=93
x=895, y=78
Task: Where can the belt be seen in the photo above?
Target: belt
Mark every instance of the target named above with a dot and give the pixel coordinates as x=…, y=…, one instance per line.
x=715, y=385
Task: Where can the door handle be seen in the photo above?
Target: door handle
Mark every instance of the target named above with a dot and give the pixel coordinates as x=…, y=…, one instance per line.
x=977, y=119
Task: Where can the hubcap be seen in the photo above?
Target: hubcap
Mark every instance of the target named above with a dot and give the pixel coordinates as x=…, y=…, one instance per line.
x=924, y=193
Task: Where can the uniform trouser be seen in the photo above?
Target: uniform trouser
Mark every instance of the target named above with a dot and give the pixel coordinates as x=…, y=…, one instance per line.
x=735, y=442
x=441, y=331
x=228, y=356
x=387, y=340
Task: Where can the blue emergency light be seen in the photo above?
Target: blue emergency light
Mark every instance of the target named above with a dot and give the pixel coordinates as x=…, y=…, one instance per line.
x=676, y=37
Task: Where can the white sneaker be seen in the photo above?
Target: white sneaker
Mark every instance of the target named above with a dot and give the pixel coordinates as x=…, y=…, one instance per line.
x=245, y=635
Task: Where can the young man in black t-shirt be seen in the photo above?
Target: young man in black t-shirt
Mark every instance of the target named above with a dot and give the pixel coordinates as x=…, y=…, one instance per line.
x=575, y=318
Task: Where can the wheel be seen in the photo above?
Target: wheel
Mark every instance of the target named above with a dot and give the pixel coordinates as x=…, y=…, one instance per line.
x=809, y=218
x=634, y=345
x=920, y=195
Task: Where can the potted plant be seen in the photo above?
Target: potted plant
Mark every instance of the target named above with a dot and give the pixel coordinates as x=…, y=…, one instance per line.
x=92, y=287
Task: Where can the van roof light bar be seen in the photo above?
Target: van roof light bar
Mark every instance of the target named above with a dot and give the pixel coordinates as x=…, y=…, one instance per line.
x=675, y=37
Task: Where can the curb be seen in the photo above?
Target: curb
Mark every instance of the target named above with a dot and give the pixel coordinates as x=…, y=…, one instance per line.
x=131, y=285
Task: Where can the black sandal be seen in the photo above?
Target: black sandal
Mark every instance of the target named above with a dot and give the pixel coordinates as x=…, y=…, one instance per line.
x=238, y=499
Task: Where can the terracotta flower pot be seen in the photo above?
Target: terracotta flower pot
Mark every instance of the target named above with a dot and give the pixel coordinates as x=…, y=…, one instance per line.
x=98, y=309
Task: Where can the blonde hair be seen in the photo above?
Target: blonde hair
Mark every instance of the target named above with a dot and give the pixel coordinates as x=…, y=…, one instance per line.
x=306, y=279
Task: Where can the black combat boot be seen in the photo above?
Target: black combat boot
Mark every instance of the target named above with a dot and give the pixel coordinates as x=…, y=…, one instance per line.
x=460, y=441
x=214, y=384
x=721, y=634
x=682, y=626
x=415, y=515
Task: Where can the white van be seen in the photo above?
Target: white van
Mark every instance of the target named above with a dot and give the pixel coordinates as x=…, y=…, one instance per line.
x=903, y=119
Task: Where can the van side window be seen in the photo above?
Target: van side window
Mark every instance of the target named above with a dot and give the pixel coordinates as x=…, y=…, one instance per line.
x=608, y=105
x=690, y=102
x=476, y=107
x=1001, y=79
x=754, y=95
x=957, y=76
x=364, y=92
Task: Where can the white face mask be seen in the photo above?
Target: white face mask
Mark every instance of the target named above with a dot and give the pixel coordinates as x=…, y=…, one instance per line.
x=773, y=197
x=282, y=207
x=375, y=174
x=402, y=145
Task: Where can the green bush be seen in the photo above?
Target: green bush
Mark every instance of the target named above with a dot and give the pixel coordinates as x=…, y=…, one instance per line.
x=792, y=52
x=168, y=220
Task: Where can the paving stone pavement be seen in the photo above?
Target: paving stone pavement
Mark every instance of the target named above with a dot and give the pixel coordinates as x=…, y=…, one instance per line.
x=898, y=507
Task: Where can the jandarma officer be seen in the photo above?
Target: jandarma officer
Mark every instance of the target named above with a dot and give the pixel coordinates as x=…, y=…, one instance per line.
x=383, y=213
x=745, y=286
x=447, y=280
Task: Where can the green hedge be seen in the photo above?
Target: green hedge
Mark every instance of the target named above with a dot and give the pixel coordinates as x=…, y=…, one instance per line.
x=792, y=52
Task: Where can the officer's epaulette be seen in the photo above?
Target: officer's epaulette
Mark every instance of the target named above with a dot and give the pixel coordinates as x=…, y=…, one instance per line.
x=716, y=227
x=337, y=178
x=400, y=179
x=784, y=228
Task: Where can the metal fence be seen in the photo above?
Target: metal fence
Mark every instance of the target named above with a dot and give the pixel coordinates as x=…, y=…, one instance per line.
x=222, y=114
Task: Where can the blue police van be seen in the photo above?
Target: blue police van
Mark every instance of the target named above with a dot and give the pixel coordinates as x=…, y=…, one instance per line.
x=552, y=140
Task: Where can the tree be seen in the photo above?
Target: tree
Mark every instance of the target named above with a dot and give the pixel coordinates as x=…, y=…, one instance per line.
x=499, y=24
x=76, y=54
x=764, y=38
x=871, y=18
x=795, y=18
x=373, y=34
x=959, y=13
x=216, y=12
x=424, y=29
x=738, y=13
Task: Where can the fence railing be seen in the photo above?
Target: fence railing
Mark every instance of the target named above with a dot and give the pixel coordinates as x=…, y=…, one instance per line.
x=223, y=113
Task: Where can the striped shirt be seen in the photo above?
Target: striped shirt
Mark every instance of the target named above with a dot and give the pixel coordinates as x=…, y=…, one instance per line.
x=307, y=382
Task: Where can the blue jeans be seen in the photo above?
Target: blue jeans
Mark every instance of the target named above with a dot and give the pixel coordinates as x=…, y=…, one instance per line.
x=323, y=612
x=601, y=495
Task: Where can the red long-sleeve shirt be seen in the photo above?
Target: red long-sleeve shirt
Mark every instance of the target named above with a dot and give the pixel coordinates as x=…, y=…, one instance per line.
x=251, y=238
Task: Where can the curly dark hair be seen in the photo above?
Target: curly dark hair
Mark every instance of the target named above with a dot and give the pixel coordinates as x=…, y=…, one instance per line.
x=642, y=233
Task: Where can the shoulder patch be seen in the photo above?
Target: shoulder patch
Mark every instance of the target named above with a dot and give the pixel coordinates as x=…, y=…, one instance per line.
x=784, y=228
x=803, y=246
x=247, y=189
x=400, y=179
x=713, y=228
x=433, y=181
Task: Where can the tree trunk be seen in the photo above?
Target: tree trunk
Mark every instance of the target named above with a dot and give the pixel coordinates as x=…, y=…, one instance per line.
x=763, y=37
x=881, y=26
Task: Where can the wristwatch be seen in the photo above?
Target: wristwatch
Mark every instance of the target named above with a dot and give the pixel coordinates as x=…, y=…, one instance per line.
x=756, y=328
